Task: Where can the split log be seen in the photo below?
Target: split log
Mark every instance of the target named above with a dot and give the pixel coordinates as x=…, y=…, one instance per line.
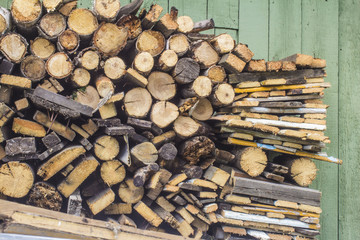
x=59, y=65
x=104, y=86
x=137, y=102
x=20, y=145
x=301, y=170
x=243, y=52
x=114, y=68
x=161, y=86
x=59, y=161
x=106, y=148
x=13, y=46
x=178, y=43
x=83, y=22
x=118, y=208
x=46, y=196
x=100, y=201
x=142, y=174
x=143, y=63
x=217, y=175
x=28, y=128
x=203, y=53
x=186, y=127
x=16, y=179
x=110, y=39
x=33, y=67
x=5, y=20
x=301, y=60
x=80, y=77
x=67, y=8
x=232, y=63
x=196, y=148
x=88, y=96
x=167, y=60
x=216, y=73
x=26, y=14
x=202, y=110
x=106, y=10
x=68, y=41
x=186, y=71
x=167, y=23
x=185, y=24
x=145, y=153
x=129, y=193
x=201, y=87
x=163, y=113
x=148, y=214
x=223, y=43
x=51, y=140
x=151, y=16
x=77, y=176
x=51, y=26
x=223, y=94
x=251, y=160
x=112, y=172
x=136, y=78
x=150, y=41
x=42, y=48
x=203, y=25
x=258, y=66
x=133, y=24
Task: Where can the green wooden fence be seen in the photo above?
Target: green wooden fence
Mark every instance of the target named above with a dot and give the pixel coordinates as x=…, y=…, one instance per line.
x=327, y=29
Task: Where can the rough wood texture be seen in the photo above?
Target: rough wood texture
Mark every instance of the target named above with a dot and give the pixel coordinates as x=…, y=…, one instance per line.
x=46, y=196
x=150, y=41
x=106, y=10
x=59, y=65
x=137, y=102
x=195, y=148
x=251, y=160
x=110, y=39
x=161, y=86
x=203, y=53
x=186, y=71
x=83, y=22
x=14, y=47
x=100, y=201
x=51, y=26
x=164, y=113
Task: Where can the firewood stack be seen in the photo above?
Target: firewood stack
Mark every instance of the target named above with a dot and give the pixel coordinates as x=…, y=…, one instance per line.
x=143, y=120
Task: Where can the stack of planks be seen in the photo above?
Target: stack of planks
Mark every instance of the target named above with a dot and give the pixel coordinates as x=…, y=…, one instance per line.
x=134, y=119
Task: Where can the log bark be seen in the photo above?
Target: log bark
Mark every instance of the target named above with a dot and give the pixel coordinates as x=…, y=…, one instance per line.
x=143, y=174
x=203, y=53
x=16, y=179
x=151, y=41
x=14, y=47
x=143, y=63
x=83, y=22
x=164, y=113
x=151, y=16
x=110, y=39
x=201, y=88
x=161, y=86
x=59, y=65
x=112, y=172
x=68, y=41
x=137, y=102
x=106, y=148
x=196, y=148
x=46, y=196
x=106, y=10
x=51, y=140
x=129, y=193
x=51, y=26
x=167, y=60
x=178, y=43
x=186, y=71
x=33, y=67
x=114, y=68
x=20, y=145
x=203, y=25
x=251, y=160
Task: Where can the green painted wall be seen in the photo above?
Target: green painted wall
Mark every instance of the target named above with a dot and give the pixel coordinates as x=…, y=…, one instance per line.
x=328, y=29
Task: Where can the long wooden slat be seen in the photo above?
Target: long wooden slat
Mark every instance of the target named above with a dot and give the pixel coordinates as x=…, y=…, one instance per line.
x=284, y=110
x=287, y=124
x=285, y=98
x=258, y=188
x=283, y=87
x=274, y=149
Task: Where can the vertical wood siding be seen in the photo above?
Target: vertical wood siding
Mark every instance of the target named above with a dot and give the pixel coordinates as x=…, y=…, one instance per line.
x=328, y=29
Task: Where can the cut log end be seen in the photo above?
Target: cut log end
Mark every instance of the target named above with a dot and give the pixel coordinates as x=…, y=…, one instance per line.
x=69, y=40
x=186, y=127
x=112, y=172
x=110, y=39
x=33, y=68
x=14, y=47
x=185, y=23
x=45, y=196
x=150, y=41
x=59, y=65
x=83, y=22
x=106, y=148
x=129, y=193
x=164, y=113
x=106, y=10
x=251, y=160
x=167, y=60
x=80, y=77
x=137, y=102
x=24, y=11
x=161, y=86
x=42, y=48
x=114, y=68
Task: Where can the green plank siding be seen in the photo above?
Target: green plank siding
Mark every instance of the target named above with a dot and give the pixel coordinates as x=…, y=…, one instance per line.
x=224, y=12
x=318, y=17
x=349, y=112
x=197, y=10
x=284, y=28
x=163, y=3
x=254, y=26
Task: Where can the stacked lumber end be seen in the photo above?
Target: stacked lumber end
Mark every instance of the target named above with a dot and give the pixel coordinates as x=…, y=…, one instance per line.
x=141, y=120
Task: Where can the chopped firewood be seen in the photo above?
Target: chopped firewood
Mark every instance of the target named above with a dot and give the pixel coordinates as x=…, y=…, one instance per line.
x=148, y=214
x=149, y=38
x=232, y=63
x=251, y=160
x=106, y=148
x=216, y=175
x=28, y=128
x=118, y=208
x=20, y=145
x=112, y=172
x=15, y=81
x=101, y=200
x=129, y=193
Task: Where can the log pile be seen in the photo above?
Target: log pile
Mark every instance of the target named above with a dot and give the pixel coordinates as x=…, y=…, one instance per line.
x=143, y=121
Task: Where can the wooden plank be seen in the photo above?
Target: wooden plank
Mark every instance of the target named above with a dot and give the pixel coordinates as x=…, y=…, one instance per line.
x=285, y=28
x=318, y=15
x=253, y=26
x=287, y=124
x=348, y=113
x=284, y=98
x=258, y=188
